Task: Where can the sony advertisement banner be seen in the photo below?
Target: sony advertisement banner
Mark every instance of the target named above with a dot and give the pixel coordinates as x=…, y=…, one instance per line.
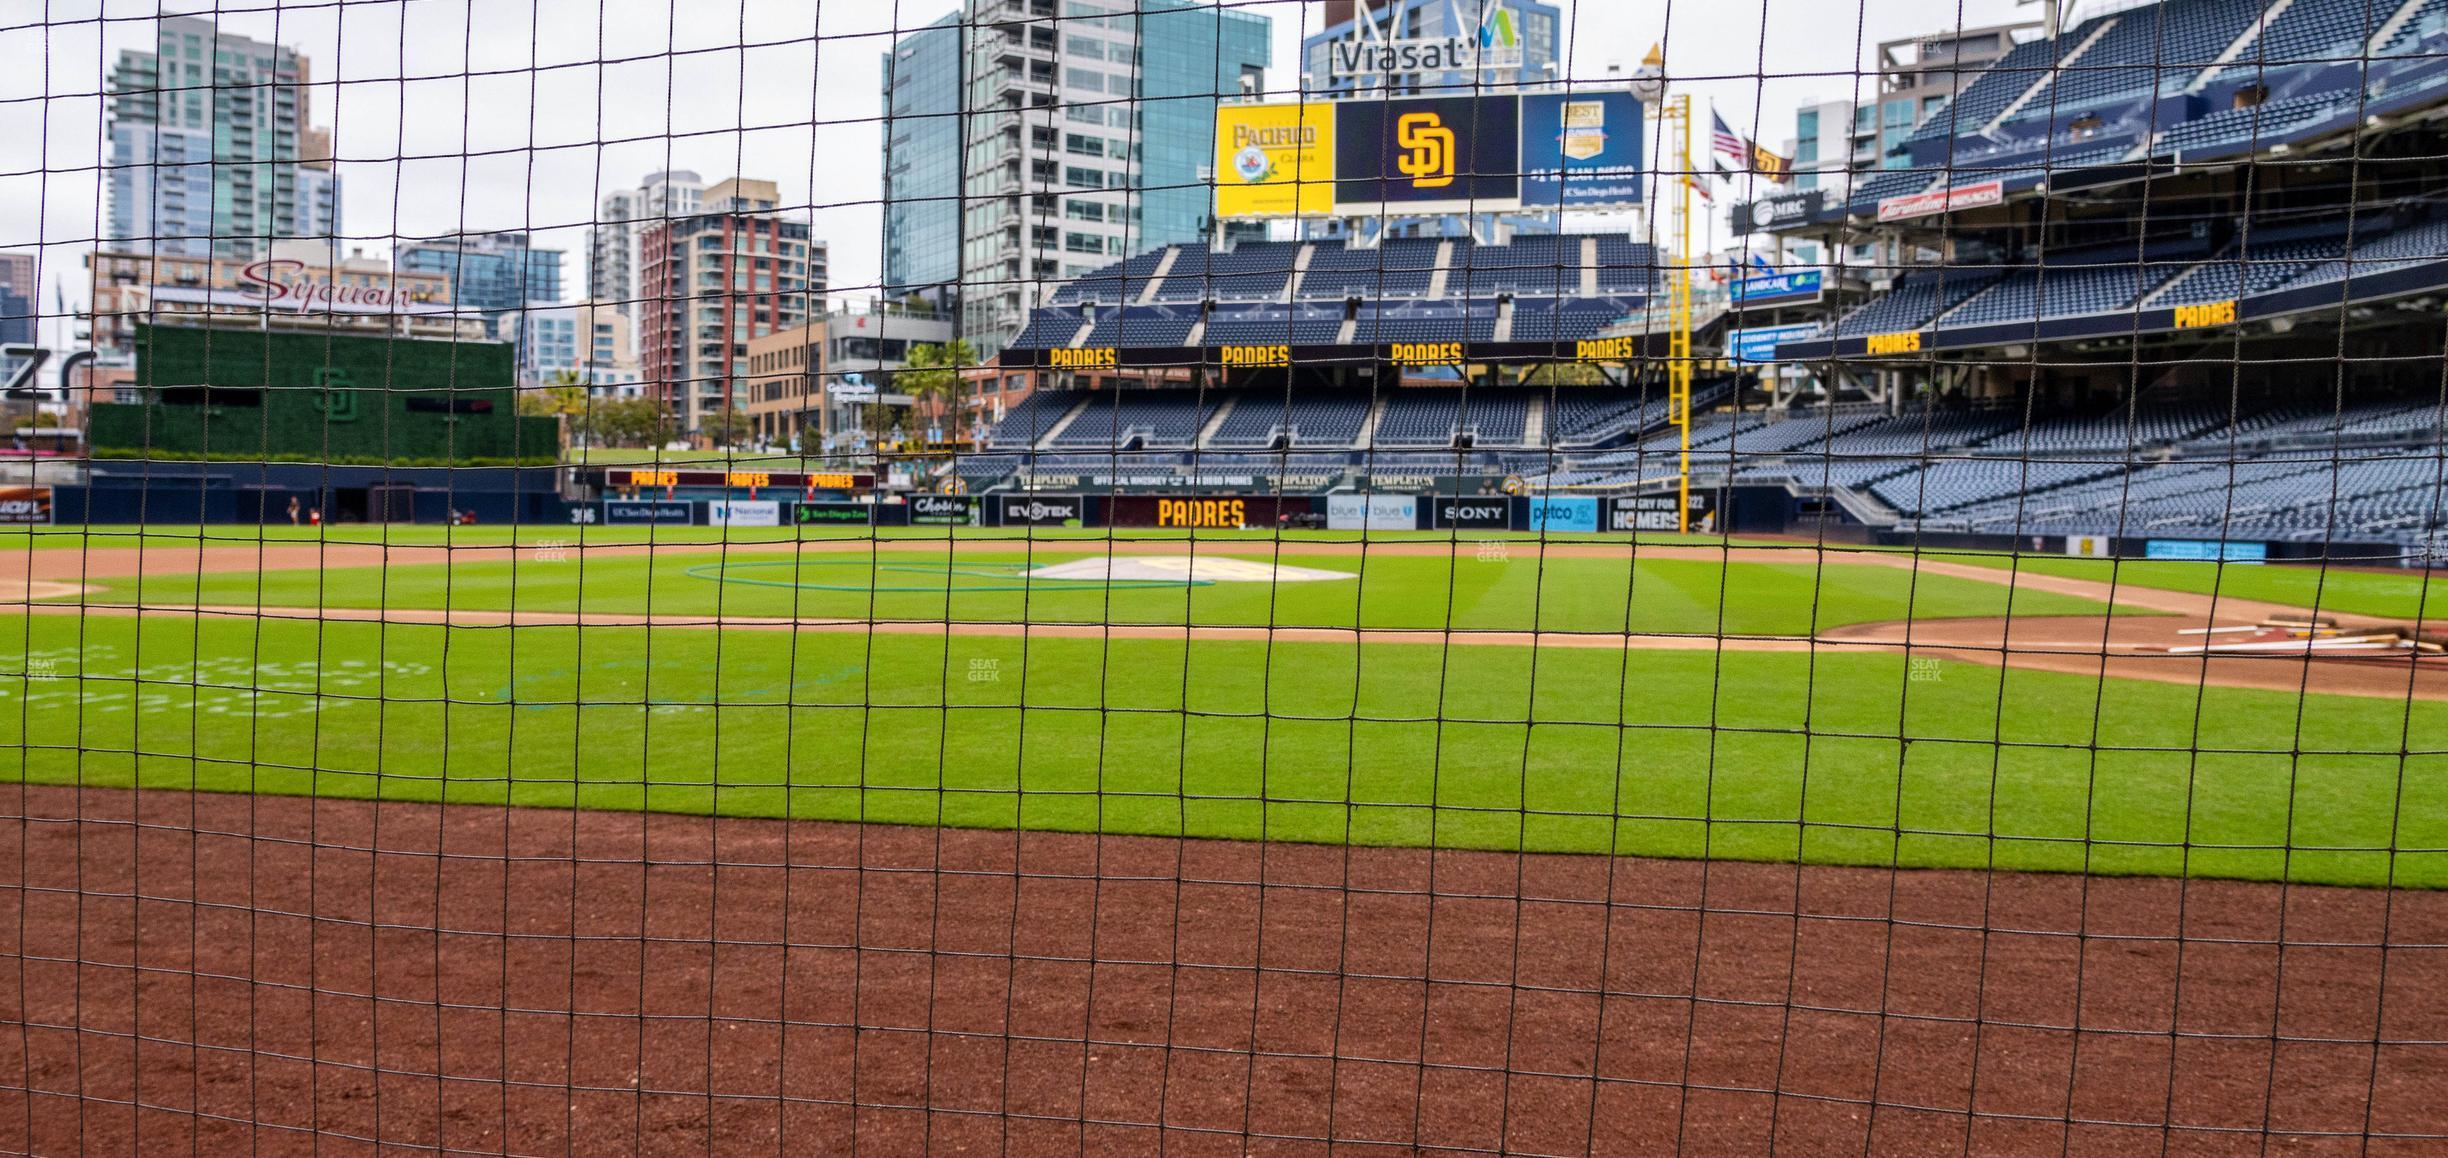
x=649, y=512
x=1348, y=512
x=1041, y=510
x=942, y=510
x=1475, y=513
x=744, y=513
x=1580, y=150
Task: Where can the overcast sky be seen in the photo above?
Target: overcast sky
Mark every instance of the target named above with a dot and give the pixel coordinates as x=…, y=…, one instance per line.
x=503, y=114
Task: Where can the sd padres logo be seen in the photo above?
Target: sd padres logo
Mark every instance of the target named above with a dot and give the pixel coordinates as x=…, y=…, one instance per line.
x=1430, y=161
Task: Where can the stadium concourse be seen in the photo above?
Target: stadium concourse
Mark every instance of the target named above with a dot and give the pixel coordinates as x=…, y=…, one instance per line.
x=2174, y=277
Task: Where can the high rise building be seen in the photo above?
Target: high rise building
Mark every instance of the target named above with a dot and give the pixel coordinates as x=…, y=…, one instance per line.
x=211, y=154
x=1834, y=139
x=922, y=251
x=1080, y=139
x=621, y=221
x=588, y=342
x=492, y=274
x=714, y=280
x=20, y=299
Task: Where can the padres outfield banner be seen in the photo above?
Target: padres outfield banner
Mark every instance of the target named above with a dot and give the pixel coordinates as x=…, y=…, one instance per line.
x=1457, y=154
x=1274, y=160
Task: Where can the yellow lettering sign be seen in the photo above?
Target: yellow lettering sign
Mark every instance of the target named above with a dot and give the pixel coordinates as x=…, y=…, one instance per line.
x=1430, y=160
x=2206, y=314
x=1428, y=353
x=1090, y=358
x=1229, y=513
x=748, y=478
x=1607, y=349
x=1904, y=343
x=654, y=478
x=1256, y=355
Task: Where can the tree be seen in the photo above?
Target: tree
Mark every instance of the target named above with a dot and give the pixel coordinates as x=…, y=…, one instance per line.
x=935, y=373
x=727, y=426
x=564, y=393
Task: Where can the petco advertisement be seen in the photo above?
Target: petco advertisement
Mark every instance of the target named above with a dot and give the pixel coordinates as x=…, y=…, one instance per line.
x=1372, y=512
x=744, y=513
x=1564, y=513
x=20, y=505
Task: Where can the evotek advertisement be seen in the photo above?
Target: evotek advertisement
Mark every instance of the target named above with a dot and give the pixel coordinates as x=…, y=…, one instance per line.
x=1448, y=154
x=1580, y=150
x=1041, y=510
x=1274, y=160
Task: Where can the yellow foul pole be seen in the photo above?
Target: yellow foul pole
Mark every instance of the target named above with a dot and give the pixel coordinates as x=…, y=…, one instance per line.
x=1677, y=110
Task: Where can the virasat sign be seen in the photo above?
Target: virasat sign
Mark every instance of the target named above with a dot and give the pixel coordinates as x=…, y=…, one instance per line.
x=1497, y=45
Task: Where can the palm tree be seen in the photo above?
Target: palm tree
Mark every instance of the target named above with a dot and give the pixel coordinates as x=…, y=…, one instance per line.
x=934, y=372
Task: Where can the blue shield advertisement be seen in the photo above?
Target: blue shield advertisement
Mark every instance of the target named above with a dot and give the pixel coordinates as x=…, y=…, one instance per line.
x=1563, y=513
x=2206, y=550
x=1758, y=346
x=1580, y=150
x=1794, y=288
x=1427, y=154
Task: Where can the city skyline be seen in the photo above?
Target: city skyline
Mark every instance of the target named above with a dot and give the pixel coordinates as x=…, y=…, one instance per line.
x=566, y=125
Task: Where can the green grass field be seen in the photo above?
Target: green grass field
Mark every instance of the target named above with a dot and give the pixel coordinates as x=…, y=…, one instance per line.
x=2405, y=594
x=1388, y=591
x=1834, y=758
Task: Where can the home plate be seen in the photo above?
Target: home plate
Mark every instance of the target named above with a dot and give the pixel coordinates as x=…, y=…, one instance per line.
x=1184, y=569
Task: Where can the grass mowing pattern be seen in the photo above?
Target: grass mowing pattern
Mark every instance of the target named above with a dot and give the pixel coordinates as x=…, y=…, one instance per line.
x=1416, y=592
x=1376, y=744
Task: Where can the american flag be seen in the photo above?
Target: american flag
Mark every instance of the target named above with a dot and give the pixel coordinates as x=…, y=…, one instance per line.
x=1726, y=142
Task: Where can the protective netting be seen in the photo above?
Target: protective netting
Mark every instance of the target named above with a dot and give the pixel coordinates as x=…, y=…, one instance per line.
x=1260, y=577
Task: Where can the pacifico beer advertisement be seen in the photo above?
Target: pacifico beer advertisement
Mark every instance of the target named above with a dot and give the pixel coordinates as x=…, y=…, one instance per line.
x=1274, y=160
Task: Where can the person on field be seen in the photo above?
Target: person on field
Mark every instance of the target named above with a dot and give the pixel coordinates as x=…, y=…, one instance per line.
x=293, y=510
